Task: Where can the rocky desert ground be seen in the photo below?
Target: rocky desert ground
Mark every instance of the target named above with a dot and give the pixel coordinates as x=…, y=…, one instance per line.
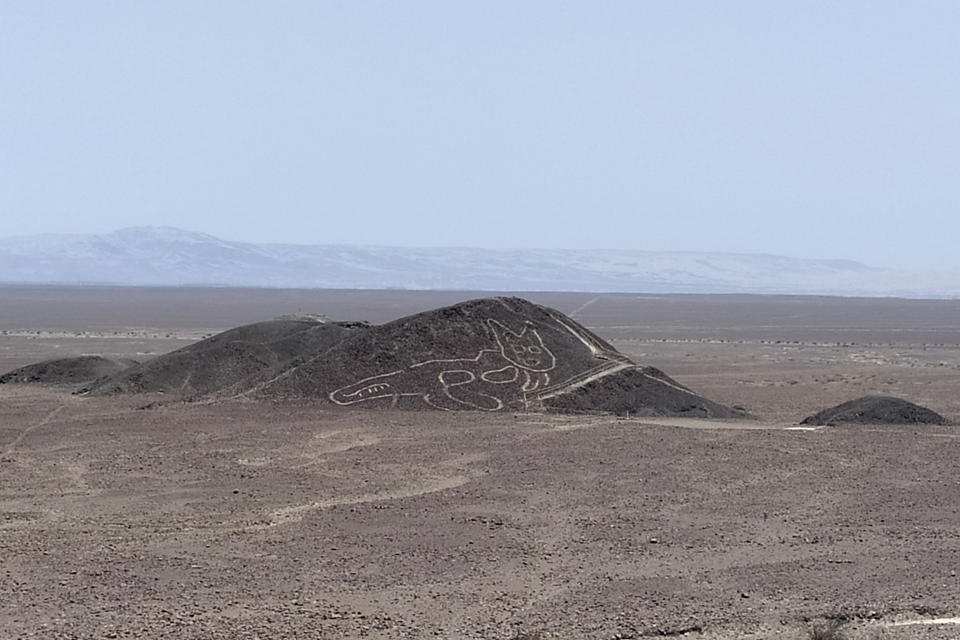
x=146, y=517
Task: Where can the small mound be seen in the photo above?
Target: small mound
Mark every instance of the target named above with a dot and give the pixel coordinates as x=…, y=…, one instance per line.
x=876, y=410
x=489, y=354
x=76, y=370
x=226, y=359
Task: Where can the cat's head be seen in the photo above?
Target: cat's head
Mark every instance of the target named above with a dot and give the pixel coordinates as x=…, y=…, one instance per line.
x=525, y=349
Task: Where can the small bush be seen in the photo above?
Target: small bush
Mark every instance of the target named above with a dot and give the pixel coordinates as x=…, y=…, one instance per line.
x=828, y=630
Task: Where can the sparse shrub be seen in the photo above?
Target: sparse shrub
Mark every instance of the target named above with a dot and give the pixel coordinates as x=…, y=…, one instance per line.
x=828, y=630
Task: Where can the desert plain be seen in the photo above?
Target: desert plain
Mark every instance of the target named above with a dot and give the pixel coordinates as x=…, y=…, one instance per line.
x=147, y=517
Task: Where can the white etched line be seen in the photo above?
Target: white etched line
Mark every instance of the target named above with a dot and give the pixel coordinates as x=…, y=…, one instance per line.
x=917, y=623
x=669, y=384
x=297, y=513
x=583, y=306
x=23, y=434
x=581, y=381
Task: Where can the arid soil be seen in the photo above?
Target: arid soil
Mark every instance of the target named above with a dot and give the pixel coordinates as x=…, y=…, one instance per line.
x=132, y=516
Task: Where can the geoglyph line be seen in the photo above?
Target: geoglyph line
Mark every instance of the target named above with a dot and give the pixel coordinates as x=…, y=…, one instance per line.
x=263, y=385
x=520, y=351
x=596, y=350
x=584, y=379
x=583, y=306
x=917, y=623
x=533, y=391
x=669, y=384
x=23, y=434
x=299, y=512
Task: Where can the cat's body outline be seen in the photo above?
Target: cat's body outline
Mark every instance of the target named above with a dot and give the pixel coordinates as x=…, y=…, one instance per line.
x=518, y=358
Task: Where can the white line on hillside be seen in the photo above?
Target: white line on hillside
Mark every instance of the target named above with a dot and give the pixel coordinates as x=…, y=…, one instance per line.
x=582, y=380
x=669, y=384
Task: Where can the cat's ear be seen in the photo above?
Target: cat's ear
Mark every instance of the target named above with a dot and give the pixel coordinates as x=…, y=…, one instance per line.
x=501, y=332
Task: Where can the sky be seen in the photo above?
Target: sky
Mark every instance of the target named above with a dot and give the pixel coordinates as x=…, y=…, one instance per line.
x=808, y=129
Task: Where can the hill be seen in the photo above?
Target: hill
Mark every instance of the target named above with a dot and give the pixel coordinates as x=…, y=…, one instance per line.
x=876, y=410
x=489, y=354
x=66, y=370
x=226, y=359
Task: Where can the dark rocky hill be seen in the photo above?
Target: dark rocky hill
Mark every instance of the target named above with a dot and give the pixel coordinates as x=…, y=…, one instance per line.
x=639, y=391
x=876, y=410
x=222, y=361
x=489, y=354
x=76, y=370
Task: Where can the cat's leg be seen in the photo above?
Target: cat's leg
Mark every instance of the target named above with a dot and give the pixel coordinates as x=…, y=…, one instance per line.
x=438, y=396
x=532, y=387
x=455, y=386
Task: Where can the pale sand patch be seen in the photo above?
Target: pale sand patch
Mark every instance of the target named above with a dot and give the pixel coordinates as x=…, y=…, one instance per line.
x=339, y=441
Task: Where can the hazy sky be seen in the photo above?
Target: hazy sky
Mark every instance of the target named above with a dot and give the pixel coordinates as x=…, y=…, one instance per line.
x=815, y=129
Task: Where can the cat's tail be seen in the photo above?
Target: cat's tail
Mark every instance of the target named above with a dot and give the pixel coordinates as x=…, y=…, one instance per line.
x=373, y=388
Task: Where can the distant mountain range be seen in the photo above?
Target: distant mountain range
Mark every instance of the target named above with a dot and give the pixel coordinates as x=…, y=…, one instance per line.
x=170, y=256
